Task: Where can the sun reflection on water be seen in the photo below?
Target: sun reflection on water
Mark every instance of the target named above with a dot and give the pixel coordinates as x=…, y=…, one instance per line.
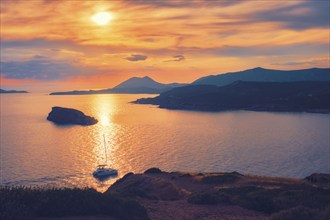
x=105, y=136
x=105, y=121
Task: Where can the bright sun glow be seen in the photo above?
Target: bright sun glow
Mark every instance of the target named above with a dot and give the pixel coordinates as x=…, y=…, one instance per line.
x=102, y=18
x=105, y=120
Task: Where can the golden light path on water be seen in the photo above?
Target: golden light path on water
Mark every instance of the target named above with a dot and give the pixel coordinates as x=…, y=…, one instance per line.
x=105, y=107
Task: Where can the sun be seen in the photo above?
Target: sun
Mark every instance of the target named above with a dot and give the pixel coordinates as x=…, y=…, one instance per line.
x=102, y=18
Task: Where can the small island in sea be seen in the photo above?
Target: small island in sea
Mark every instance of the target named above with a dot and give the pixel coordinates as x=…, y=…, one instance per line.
x=67, y=116
x=12, y=91
x=156, y=194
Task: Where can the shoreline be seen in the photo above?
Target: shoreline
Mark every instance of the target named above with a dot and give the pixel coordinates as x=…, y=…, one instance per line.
x=156, y=194
x=219, y=110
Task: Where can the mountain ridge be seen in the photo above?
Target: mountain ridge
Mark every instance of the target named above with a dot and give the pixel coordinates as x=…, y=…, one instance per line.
x=147, y=85
x=260, y=74
x=252, y=96
x=133, y=85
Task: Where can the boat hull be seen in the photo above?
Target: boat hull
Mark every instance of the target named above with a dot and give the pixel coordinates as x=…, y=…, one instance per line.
x=105, y=172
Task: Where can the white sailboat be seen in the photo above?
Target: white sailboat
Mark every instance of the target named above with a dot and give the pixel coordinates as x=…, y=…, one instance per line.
x=103, y=170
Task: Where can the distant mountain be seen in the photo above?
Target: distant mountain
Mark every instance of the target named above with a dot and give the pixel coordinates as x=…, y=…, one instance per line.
x=266, y=75
x=136, y=82
x=255, y=96
x=11, y=91
x=134, y=85
x=143, y=85
x=82, y=92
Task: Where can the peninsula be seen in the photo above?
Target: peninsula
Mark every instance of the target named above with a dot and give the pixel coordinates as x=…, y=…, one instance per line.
x=12, y=91
x=305, y=96
x=260, y=74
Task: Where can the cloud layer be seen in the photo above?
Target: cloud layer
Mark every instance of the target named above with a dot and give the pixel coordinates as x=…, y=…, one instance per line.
x=42, y=68
x=57, y=40
x=176, y=58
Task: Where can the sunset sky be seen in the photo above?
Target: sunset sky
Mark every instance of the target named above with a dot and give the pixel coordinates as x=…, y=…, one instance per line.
x=53, y=45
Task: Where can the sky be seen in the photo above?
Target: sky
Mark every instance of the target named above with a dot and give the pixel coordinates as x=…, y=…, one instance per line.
x=55, y=45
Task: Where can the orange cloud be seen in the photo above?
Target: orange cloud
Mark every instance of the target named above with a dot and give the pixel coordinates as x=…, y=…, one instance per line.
x=210, y=36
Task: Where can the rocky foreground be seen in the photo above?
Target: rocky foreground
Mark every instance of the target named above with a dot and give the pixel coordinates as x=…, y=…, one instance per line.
x=180, y=195
x=177, y=195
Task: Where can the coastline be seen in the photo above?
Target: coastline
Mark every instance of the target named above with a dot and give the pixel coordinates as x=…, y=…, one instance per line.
x=178, y=195
x=205, y=108
x=244, y=95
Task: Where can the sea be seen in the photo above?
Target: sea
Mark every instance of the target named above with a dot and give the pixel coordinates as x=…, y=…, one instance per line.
x=37, y=152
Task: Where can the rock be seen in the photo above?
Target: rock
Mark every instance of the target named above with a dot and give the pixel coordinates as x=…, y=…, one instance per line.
x=147, y=187
x=319, y=178
x=64, y=116
x=153, y=170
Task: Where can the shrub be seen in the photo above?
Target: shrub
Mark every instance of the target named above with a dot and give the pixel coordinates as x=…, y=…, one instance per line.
x=299, y=212
x=302, y=196
x=23, y=203
x=274, y=200
x=324, y=214
x=208, y=198
x=15, y=210
x=221, y=178
x=252, y=197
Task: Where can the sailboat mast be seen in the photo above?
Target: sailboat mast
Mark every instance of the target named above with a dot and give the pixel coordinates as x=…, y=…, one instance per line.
x=105, y=150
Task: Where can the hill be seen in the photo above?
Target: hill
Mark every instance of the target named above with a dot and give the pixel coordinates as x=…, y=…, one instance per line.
x=254, y=96
x=266, y=75
x=145, y=84
x=134, y=85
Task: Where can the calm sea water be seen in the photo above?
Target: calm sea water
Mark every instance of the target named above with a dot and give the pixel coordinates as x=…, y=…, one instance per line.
x=34, y=151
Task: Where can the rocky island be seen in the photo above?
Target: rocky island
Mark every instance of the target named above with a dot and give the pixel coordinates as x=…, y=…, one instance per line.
x=159, y=195
x=63, y=116
x=12, y=91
